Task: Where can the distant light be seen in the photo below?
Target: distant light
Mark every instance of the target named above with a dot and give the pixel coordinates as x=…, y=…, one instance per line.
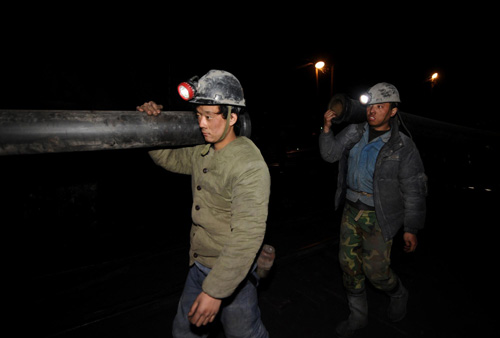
x=319, y=65
x=433, y=79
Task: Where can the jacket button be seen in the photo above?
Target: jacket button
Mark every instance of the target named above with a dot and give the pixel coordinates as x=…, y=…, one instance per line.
x=205, y=170
x=195, y=255
x=197, y=207
x=198, y=188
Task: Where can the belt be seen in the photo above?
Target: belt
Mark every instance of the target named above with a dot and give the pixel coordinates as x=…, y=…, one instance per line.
x=360, y=205
x=362, y=193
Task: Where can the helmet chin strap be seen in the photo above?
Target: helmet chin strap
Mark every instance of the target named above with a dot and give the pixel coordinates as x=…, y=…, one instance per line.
x=228, y=120
x=206, y=149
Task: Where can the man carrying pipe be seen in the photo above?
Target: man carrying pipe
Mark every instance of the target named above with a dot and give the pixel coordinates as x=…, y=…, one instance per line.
x=381, y=179
x=231, y=188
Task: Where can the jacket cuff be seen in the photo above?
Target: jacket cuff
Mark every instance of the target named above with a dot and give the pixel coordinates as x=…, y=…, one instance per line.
x=411, y=230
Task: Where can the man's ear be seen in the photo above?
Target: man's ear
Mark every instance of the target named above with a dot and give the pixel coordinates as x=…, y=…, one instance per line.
x=234, y=118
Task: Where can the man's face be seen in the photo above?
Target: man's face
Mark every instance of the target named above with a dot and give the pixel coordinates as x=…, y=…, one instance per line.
x=379, y=115
x=211, y=122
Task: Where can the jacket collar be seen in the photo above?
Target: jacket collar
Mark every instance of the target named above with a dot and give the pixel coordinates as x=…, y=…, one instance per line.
x=395, y=141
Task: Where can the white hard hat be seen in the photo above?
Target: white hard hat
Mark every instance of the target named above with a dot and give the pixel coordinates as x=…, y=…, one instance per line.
x=217, y=87
x=380, y=93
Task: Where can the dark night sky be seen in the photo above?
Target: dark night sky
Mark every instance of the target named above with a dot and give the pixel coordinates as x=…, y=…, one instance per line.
x=82, y=65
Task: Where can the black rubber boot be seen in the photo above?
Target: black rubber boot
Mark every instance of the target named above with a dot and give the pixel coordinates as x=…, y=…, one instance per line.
x=397, y=306
x=358, y=318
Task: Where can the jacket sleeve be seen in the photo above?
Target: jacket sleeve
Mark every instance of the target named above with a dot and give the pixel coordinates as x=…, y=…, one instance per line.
x=414, y=189
x=249, y=209
x=174, y=160
x=332, y=147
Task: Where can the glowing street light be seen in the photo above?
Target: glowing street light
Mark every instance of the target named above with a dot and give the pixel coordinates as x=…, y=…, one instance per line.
x=433, y=79
x=319, y=65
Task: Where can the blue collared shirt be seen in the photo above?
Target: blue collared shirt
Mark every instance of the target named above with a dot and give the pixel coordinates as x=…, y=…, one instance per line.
x=361, y=166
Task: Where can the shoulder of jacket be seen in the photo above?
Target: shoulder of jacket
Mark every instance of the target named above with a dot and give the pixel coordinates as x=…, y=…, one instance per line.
x=406, y=140
x=245, y=147
x=355, y=131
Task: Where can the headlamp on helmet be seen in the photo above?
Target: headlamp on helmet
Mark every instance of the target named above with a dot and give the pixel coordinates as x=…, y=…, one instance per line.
x=380, y=93
x=365, y=98
x=187, y=89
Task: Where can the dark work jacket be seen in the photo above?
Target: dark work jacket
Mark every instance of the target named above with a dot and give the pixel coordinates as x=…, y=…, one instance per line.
x=399, y=180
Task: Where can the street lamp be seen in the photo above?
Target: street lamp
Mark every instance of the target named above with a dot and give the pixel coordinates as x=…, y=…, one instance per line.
x=318, y=65
x=321, y=65
x=433, y=79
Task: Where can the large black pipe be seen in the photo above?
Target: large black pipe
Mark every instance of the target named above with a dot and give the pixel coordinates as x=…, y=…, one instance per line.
x=352, y=111
x=44, y=131
x=347, y=109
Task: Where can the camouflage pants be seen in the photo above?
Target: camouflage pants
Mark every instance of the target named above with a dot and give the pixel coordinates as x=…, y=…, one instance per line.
x=364, y=252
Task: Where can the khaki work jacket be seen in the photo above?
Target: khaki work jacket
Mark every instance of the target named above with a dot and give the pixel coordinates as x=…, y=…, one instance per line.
x=231, y=189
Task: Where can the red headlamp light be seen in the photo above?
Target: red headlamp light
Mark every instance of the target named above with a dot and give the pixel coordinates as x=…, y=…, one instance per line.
x=186, y=91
